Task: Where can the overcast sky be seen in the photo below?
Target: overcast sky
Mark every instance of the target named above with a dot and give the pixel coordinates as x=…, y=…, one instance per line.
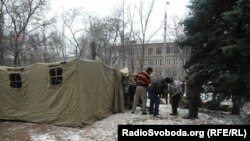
x=105, y=7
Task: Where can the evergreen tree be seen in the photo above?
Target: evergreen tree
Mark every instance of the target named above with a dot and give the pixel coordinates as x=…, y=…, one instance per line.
x=218, y=33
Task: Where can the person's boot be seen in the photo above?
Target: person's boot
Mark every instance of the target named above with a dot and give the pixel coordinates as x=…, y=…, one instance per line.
x=173, y=113
x=188, y=117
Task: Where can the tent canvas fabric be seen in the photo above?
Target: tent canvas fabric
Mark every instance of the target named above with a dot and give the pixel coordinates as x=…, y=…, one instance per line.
x=89, y=91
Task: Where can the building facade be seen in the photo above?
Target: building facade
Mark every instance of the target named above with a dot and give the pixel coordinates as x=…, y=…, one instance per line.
x=130, y=56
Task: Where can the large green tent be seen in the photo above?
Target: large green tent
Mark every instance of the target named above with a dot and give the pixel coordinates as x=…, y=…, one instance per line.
x=71, y=93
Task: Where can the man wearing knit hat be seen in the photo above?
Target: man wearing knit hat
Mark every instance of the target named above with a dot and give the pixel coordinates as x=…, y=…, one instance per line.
x=126, y=81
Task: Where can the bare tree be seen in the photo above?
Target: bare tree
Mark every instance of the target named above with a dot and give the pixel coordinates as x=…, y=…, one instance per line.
x=56, y=46
x=132, y=37
x=24, y=16
x=134, y=34
x=93, y=50
x=33, y=51
x=2, y=50
x=104, y=32
x=114, y=54
x=177, y=32
x=76, y=31
x=96, y=30
x=144, y=18
x=122, y=34
x=118, y=22
x=42, y=46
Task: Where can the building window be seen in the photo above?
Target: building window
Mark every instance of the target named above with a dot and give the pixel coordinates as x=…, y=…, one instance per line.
x=56, y=76
x=158, y=50
x=168, y=61
x=158, y=62
x=15, y=80
x=150, y=51
x=168, y=50
x=176, y=50
x=175, y=61
x=150, y=62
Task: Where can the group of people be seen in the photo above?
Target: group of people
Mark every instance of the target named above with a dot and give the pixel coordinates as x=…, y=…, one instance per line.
x=143, y=85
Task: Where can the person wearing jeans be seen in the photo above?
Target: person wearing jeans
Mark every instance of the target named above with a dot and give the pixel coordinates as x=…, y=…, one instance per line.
x=175, y=92
x=158, y=87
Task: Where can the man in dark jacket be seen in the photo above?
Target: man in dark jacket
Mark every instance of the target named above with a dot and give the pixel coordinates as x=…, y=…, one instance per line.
x=159, y=86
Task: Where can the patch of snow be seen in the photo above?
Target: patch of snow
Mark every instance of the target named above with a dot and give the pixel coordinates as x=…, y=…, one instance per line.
x=106, y=129
x=43, y=137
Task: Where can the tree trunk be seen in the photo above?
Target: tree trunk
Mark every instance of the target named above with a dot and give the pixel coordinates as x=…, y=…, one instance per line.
x=93, y=51
x=16, y=59
x=236, y=109
x=2, y=50
x=236, y=105
x=2, y=62
x=193, y=95
x=194, y=87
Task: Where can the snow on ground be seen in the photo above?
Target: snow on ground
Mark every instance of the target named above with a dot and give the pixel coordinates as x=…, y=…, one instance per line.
x=106, y=129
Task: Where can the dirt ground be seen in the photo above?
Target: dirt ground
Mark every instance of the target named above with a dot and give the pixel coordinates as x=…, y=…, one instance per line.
x=16, y=131
x=106, y=129
x=22, y=131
